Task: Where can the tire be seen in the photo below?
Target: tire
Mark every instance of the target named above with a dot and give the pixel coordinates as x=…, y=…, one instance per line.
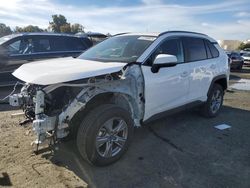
x=213, y=104
x=100, y=126
x=240, y=66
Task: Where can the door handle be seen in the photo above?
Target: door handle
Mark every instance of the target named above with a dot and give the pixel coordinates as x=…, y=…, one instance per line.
x=184, y=74
x=213, y=66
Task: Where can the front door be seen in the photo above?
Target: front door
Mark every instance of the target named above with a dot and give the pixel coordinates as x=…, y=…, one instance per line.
x=168, y=88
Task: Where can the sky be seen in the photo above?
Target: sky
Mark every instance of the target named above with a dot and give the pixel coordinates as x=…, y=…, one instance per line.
x=221, y=19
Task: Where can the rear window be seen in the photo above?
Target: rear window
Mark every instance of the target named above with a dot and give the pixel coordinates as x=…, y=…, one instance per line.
x=194, y=49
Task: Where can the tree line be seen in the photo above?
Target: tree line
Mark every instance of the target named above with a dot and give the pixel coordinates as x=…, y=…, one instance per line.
x=58, y=24
x=243, y=46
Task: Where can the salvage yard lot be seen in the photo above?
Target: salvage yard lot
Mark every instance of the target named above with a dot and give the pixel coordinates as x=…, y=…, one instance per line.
x=182, y=150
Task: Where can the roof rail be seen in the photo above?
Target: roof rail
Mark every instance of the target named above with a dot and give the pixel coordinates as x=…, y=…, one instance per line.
x=120, y=34
x=180, y=32
x=45, y=33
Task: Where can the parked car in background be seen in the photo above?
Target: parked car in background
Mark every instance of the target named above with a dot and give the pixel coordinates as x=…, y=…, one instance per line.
x=246, y=57
x=18, y=49
x=236, y=60
x=93, y=36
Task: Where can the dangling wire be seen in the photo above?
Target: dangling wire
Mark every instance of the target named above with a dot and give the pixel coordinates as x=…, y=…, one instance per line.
x=14, y=89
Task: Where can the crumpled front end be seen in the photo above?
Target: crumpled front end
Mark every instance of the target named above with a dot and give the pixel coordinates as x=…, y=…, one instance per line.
x=36, y=104
x=51, y=108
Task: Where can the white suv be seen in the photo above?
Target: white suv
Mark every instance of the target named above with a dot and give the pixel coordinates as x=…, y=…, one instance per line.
x=121, y=83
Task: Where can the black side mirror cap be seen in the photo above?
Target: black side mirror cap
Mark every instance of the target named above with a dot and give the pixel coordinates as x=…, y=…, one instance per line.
x=156, y=67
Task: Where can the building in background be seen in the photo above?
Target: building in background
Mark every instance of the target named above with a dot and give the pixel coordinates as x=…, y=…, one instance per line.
x=229, y=45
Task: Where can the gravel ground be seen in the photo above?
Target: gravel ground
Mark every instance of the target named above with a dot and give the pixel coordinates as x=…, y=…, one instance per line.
x=182, y=150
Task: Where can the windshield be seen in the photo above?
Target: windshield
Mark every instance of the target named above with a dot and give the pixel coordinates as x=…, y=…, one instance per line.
x=119, y=49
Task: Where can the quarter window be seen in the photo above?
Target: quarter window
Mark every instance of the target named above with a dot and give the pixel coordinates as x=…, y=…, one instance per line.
x=209, y=53
x=194, y=49
x=214, y=51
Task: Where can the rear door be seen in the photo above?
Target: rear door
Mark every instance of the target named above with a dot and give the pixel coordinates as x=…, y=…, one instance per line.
x=167, y=88
x=202, y=66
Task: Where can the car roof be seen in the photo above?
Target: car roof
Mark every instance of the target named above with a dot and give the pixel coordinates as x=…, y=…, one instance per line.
x=184, y=33
x=91, y=34
x=156, y=34
x=152, y=34
x=43, y=34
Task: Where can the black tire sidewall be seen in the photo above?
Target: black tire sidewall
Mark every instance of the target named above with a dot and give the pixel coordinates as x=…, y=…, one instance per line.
x=102, y=114
x=208, y=104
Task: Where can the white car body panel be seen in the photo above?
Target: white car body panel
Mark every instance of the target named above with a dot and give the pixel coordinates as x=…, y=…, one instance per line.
x=179, y=81
x=202, y=74
x=246, y=58
x=64, y=70
x=165, y=89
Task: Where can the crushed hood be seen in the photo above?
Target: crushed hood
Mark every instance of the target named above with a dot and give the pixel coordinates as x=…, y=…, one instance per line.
x=63, y=70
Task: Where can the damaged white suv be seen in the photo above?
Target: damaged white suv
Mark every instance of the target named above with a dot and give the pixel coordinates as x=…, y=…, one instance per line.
x=121, y=83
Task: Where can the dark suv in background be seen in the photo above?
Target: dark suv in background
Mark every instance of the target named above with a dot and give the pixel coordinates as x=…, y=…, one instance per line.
x=93, y=36
x=18, y=49
x=236, y=60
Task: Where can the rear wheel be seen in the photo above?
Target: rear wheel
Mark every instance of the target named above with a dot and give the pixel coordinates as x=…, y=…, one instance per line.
x=214, y=101
x=104, y=134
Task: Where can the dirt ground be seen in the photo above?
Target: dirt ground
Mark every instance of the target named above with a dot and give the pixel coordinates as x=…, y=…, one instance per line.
x=182, y=150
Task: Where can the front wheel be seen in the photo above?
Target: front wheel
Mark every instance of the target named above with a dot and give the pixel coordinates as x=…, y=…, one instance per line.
x=214, y=101
x=104, y=134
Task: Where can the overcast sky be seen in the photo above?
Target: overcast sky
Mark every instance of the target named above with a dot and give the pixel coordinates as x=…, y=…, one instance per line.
x=221, y=19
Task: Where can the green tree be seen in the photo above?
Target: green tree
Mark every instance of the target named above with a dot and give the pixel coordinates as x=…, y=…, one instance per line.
x=4, y=30
x=65, y=28
x=29, y=28
x=242, y=46
x=57, y=22
x=75, y=28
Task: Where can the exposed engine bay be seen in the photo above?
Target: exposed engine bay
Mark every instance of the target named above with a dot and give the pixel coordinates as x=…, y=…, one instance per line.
x=51, y=108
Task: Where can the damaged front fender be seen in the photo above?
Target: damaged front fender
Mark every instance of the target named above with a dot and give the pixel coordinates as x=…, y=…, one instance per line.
x=126, y=88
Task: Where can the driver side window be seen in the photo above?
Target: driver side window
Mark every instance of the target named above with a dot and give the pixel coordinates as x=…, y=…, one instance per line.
x=171, y=47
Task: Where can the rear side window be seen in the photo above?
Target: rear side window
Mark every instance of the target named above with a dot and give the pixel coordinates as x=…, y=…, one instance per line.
x=57, y=44
x=42, y=45
x=195, y=49
x=75, y=44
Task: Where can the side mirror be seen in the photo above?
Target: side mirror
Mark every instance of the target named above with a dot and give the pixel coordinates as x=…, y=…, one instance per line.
x=163, y=60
